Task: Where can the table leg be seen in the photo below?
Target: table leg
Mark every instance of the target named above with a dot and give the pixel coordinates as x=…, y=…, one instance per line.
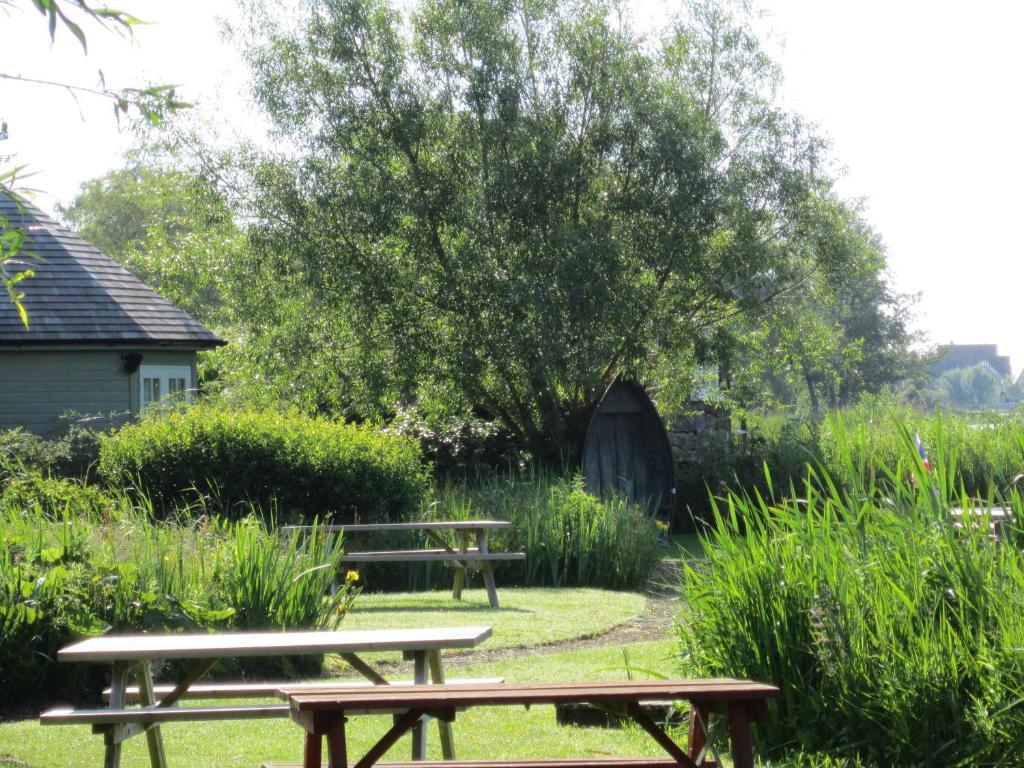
x=364, y=669
x=644, y=720
x=419, y=733
x=739, y=731
x=154, y=740
x=698, y=737
x=311, y=754
x=112, y=744
x=443, y=726
x=488, y=568
x=337, y=751
x=460, y=572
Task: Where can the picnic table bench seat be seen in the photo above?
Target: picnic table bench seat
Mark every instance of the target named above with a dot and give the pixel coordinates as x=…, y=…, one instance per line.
x=268, y=690
x=588, y=762
x=323, y=714
x=413, y=555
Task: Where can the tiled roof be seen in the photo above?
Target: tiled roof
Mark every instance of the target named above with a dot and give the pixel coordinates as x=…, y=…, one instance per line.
x=80, y=296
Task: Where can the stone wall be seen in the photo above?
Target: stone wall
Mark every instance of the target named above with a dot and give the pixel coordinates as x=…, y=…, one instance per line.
x=703, y=424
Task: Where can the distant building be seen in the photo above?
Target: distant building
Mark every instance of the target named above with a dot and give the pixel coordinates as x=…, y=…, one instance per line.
x=99, y=341
x=955, y=356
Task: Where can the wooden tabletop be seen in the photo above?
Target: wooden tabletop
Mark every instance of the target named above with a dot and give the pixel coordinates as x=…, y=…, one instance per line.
x=434, y=525
x=110, y=648
x=368, y=698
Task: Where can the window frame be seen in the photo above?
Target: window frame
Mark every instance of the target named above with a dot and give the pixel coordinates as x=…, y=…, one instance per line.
x=164, y=373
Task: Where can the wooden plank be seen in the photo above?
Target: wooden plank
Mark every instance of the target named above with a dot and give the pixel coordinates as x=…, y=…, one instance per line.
x=205, y=645
x=65, y=716
x=419, y=730
x=447, y=696
x=112, y=738
x=267, y=690
x=599, y=762
x=444, y=727
x=433, y=525
x=417, y=555
x=364, y=669
x=739, y=731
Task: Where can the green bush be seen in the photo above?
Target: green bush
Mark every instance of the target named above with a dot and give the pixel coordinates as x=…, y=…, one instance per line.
x=894, y=637
x=72, y=452
x=91, y=563
x=783, y=448
x=986, y=452
x=53, y=497
x=306, y=467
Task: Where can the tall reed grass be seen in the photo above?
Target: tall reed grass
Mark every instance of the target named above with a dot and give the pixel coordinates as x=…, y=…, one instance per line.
x=570, y=537
x=893, y=635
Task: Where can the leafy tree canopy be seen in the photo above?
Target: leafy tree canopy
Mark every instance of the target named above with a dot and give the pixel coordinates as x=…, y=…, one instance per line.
x=522, y=199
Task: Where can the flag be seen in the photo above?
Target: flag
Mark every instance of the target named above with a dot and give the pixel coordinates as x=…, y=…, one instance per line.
x=922, y=453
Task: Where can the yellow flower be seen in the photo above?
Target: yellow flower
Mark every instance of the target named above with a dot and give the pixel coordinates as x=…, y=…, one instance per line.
x=352, y=576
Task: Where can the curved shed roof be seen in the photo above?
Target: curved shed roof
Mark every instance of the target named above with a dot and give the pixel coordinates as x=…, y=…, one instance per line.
x=80, y=296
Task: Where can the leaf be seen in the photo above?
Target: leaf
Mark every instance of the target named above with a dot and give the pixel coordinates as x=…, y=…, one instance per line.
x=76, y=31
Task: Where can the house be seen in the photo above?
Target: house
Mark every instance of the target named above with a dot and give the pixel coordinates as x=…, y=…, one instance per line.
x=99, y=341
x=954, y=356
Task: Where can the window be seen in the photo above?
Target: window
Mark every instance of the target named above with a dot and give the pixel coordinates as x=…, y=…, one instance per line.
x=161, y=382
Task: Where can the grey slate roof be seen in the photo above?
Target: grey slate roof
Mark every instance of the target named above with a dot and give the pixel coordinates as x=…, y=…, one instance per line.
x=80, y=296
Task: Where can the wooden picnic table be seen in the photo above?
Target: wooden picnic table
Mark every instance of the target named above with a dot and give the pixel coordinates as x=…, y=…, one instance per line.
x=131, y=655
x=462, y=558
x=322, y=714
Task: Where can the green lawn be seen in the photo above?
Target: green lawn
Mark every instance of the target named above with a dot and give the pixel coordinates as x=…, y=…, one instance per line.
x=491, y=732
x=527, y=616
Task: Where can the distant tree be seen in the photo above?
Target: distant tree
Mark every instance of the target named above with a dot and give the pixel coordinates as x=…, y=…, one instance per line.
x=978, y=386
x=171, y=228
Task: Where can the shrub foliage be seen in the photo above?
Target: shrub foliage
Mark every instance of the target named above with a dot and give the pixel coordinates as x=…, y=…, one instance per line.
x=310, y=467
x=91, y=563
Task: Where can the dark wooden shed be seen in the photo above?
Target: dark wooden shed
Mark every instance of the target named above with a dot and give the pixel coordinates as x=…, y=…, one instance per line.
x=627, y=449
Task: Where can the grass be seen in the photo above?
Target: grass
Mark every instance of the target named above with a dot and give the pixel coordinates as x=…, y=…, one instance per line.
x=688, y=546
x=892, y=634
x=527, y=617
x=486, y=732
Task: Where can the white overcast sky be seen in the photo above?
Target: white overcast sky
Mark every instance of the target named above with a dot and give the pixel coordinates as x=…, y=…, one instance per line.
x=920, y=98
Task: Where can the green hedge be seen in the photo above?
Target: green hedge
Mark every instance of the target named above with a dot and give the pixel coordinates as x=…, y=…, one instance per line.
x=302, y=466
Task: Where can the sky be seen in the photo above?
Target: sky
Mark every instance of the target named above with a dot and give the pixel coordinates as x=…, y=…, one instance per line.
x=919, y=98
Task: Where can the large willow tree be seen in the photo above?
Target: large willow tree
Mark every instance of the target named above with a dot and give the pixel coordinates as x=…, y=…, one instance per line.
x=519, y=199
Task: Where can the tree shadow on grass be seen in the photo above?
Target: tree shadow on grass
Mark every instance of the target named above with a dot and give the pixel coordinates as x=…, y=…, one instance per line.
x=483, y=610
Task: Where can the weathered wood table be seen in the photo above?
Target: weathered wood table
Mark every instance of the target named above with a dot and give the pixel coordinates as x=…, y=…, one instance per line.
x=463, y=558
x=323, y=715
x=131, y=655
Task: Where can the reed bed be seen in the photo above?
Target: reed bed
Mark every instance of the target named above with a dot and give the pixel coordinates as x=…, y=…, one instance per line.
x=895, y=637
